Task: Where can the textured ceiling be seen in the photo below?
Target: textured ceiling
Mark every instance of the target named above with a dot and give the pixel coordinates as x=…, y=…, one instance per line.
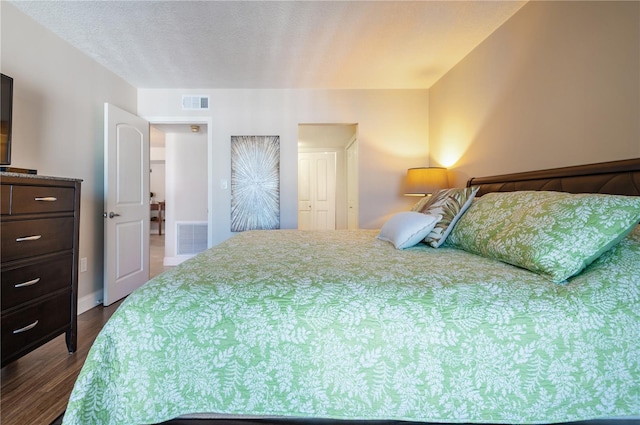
x=274, y=44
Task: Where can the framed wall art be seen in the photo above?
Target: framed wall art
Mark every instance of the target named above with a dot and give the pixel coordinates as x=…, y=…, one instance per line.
x=255, y=183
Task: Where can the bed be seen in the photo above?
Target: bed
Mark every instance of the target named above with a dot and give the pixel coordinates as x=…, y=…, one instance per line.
x=299, y=327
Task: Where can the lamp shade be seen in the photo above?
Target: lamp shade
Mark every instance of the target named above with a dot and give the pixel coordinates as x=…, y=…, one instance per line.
x=426, y=180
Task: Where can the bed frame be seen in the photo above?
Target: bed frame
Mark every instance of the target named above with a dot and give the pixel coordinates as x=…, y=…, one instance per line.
x=615, y=178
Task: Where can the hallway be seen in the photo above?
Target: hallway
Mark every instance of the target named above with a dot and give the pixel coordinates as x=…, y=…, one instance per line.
x=156, y=255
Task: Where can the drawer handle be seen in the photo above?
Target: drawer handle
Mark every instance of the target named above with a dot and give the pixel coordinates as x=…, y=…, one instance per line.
x=29, y=283
x=47, y=199
x=28, y=238
x=26, y=328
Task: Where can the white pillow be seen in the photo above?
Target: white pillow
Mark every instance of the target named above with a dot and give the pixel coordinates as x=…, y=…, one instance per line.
x=406, y=229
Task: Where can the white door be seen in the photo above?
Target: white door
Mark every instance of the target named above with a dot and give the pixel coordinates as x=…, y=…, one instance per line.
x=352, y=186
x=126, y=180
x=317, y=191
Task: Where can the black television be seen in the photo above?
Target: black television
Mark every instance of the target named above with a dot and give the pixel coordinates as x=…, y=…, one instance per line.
x=6, y=112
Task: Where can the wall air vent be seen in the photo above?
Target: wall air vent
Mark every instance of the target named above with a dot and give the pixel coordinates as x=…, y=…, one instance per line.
x=191, y=102
x=191, y=237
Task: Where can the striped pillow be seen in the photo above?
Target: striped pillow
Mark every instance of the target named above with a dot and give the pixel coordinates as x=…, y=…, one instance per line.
x=451, y=205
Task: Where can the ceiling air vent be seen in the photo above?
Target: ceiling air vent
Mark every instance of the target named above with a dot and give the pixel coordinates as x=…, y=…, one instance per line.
x=191, y=102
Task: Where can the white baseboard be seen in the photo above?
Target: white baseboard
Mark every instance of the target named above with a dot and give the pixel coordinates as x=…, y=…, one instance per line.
x=87, y=302
x=174, y=261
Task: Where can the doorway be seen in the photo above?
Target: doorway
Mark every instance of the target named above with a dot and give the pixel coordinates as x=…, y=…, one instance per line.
x=178, y=160
x=327, y=165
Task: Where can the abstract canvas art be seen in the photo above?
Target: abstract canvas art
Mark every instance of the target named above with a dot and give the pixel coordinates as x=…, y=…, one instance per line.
x=255, y=183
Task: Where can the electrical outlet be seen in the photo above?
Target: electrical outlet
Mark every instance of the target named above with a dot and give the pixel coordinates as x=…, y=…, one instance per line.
x=83, y=264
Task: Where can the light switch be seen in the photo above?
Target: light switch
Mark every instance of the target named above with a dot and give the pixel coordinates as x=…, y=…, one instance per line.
x=223, y=184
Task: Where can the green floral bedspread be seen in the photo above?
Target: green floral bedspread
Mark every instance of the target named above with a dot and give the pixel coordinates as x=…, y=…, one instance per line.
x=342, y=325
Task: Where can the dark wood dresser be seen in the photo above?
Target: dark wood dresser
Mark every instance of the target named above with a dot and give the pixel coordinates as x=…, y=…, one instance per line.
x=39, y=227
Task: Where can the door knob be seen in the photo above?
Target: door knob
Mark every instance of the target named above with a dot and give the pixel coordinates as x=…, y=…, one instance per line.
x=112, y=214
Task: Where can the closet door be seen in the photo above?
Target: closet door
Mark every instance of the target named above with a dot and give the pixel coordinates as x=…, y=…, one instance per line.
x=317, y=191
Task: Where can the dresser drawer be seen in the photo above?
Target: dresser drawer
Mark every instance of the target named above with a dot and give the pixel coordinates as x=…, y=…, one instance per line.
x=28, y=238
x=34, y=324
x=26, y=283
x=41, y=199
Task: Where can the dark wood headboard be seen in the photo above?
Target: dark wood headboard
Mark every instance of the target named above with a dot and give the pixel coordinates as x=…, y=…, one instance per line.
x=615, y=178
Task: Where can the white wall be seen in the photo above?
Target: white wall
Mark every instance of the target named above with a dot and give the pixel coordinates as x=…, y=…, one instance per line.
x=186, y=185
x=556, y=85
x=58, y=123
x=392, y=125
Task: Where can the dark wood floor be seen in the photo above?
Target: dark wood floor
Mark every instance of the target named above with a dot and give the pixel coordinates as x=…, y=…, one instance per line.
x=36, y=387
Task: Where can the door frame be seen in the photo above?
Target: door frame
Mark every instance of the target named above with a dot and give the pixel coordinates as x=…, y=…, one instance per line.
x=353, y=183
x=342, y=209
x=202, y=120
